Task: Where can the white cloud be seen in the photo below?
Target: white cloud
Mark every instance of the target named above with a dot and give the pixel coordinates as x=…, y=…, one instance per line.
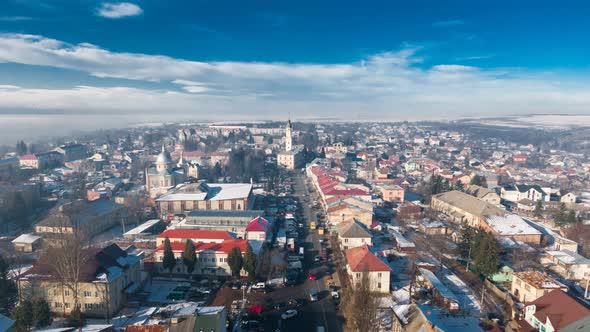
x=448, y=23
x=118, y=10
x=15, y=18
x=391, y=85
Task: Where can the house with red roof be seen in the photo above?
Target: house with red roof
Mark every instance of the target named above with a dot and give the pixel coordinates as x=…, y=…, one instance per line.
x=211, y=257
x=258, y=229
x=196, y=235
x=555, y=311
x=29, y=160
x=361, y=260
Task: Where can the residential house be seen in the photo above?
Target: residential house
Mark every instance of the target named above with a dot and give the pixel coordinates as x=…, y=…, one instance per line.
x=485, y=194
x=392, y=193
x=569, y=199
x=531, y=285
x=27, y=242
x=568, y=264
x=514, y=193
x=555, y=311
x=89, y=217
x=107, y=276
x=361, y=260
x=352, y=233
x=71, y=152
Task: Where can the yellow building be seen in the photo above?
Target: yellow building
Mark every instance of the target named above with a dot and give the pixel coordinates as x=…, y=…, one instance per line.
x=106, y=277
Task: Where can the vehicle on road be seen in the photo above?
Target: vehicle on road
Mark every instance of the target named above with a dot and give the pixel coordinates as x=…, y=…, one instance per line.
x=317, y=259
x=312, y=276
x=289, y=314
x=259, y=285
x=296, y=302
x=312, y=225
x=313, y=296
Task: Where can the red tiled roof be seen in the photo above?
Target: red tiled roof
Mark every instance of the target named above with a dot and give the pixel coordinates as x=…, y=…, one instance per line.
x=225, y=246
x=28, y=157
x=195, y=234
x=257, y=224
x=146, y=328
x=361, y=259
x=560, y=308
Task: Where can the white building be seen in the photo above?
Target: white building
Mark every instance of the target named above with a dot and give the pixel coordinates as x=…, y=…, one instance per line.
x=568, y=264
x=361, y=260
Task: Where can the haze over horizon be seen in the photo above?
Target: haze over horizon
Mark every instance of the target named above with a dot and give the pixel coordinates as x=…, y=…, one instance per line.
x=137, y=61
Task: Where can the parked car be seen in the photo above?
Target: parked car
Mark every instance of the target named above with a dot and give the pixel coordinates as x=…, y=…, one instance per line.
x=296, y=302
x=313, y=296
x=317, y=259
x=259, y=285
x=289, y=314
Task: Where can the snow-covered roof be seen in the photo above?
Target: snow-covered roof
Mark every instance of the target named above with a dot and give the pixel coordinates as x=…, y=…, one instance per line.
x=568, y=257
x=27, y=239
x=511, y=225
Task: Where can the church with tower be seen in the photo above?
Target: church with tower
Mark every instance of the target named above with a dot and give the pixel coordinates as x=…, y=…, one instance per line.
x=164, y=174
x=292, y=156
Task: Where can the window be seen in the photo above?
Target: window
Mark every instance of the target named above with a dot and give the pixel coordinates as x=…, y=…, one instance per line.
x=67, y=293
x=95, y=294
x=345, y=240
x=379, y=285
x=67, y=305
x=379, y=275
x=57, y=305
x=87, y=294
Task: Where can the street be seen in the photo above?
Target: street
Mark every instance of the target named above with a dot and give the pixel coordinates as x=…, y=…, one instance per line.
x=323, y=312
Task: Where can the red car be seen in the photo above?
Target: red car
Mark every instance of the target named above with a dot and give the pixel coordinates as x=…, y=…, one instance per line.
x=312, y=276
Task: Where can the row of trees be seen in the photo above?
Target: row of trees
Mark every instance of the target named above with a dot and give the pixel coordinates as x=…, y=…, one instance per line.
x=31, y=314
x=480, y=246
x=189, y=258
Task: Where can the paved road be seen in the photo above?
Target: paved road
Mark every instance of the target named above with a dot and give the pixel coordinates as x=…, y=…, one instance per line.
x=323, y=312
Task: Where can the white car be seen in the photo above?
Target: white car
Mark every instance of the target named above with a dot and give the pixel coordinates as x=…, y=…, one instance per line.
x=289, y=314
x=259, y=285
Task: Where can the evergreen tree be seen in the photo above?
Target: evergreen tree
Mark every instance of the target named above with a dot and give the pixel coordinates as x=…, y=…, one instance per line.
x=8, y=291
x=560, y=215
x=479, y=180
x=21, y=148
x=189, y=258
x=169, y=261
x=487, y=255
x=538, y=212
x=235, y=261
x=41, y=313
x=323, y=153
x=459, y=186
x=23, y=315
x=76, y=319
x=466, y=241
x=571, y=217
x=250, y=263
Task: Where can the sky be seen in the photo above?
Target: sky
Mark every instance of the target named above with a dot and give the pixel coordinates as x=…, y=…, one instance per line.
x=223, y=60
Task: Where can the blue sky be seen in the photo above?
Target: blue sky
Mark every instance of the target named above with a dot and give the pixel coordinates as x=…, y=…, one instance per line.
x=263, y=59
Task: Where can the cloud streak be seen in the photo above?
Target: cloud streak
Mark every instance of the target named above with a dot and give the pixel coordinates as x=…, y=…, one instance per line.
x=390, y=85
x=449, y=23
x=118, y=10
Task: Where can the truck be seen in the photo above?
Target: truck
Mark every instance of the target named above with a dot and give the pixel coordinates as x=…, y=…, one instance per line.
x=312, y=225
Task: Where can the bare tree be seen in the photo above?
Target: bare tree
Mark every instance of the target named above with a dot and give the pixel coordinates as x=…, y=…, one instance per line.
x=66, y=256
x=361, y=306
